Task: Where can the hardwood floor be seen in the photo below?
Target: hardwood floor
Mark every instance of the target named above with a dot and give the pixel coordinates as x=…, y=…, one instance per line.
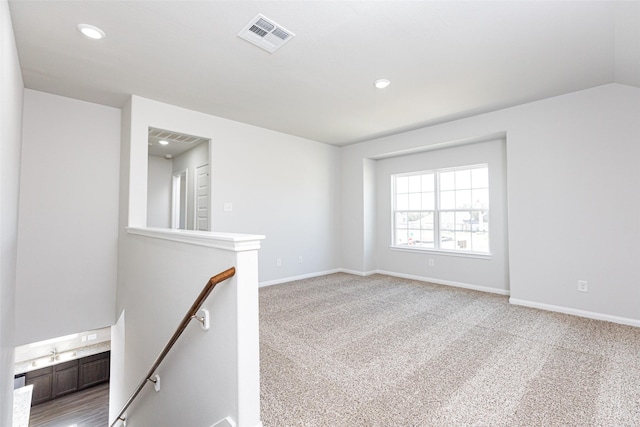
x=87, y=408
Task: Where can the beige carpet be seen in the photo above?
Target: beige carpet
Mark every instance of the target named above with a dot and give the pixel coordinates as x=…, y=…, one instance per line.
x=343, y=350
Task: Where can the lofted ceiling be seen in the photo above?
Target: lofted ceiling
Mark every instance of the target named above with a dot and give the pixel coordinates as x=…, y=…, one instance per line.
x=445, y=59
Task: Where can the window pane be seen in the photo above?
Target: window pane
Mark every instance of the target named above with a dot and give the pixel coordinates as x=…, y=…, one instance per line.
x=401, y=220
x=415, y=201
x=428, y=201
x=402, y=202
x=463, y=179
x=480, y=241
x=463, y=199
x=447, y=181
x=483, y=221
x=402, y=184
x=426, y=239
x=480, y=177
x=401, y=237
x=480, y=199
x=463, y=241
x=426, y=221
x=447, y=240
x=414, y=184
x=447, y=200
x=463, y=221
x=428, y=182
x=447, y=227
x=447, y=221
x=414, y=220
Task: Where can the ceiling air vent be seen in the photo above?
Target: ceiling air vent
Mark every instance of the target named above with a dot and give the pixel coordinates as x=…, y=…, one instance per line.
x=180, y=138
x=265, y=33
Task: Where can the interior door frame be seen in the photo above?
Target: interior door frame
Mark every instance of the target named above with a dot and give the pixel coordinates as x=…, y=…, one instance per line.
x=176, y=197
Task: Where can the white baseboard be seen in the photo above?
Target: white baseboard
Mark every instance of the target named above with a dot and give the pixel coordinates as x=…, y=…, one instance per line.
x=514, y=301
x=446, y=282
x=294, y=278
x=388, y=273
x=357, y=273
x=576, y=312
x=226, y=422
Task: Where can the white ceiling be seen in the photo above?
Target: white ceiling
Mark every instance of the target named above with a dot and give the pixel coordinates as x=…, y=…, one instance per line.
x=445, y=60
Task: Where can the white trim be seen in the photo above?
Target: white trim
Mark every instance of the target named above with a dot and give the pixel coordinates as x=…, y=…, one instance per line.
x=301, y=277
x=175, y=198
x=446, y=282
x=227, y=241
x=434, y=251
x=439, y=145
x=358, y=273
x=388, y=273
x=229, y=422
x=576, y=312
x=514, y=301
x=225, y=422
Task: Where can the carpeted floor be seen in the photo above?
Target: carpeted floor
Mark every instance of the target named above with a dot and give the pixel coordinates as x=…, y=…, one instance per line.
x=343, y=350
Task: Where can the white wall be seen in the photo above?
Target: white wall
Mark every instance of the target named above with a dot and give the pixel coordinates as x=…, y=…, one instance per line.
x=208, y=375
x=189, y=161
x=486, y=274
x=573, y=203
x=11, y=99
x=281, y=186
x=67, y=244
x=159, y=192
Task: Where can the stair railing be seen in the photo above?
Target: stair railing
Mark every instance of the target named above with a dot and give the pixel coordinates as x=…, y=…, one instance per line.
x=191, y=314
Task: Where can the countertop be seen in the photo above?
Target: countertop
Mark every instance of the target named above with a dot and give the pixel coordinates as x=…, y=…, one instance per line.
x=28, y=365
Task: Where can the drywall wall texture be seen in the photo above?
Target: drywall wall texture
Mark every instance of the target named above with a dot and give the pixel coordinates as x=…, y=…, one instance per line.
x=159, y=192
x=278, y=185
x=210, y=374
x=189, y=162
x=11, y=101
x=572, y=196
x=486, y=274
x=67, y=244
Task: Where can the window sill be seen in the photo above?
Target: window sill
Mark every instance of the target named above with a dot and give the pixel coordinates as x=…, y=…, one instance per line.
x=475, y=255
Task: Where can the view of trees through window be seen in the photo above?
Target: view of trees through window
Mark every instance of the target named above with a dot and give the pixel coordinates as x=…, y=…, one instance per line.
x=442, y=209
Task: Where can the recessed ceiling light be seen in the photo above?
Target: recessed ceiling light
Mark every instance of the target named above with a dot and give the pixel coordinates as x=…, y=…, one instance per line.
x=381, y=83
x=91, y=31
x=163, y=142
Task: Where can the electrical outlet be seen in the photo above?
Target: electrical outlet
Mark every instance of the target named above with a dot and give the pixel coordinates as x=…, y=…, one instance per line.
x=300, y=259
x=583, y=286
x=228, y=207
x=278, y=262
x=431, y=263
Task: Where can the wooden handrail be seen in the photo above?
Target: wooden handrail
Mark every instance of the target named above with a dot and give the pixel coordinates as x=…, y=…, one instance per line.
x=183, y=324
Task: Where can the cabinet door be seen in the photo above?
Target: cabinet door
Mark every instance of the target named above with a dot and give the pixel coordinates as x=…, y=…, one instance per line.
x=94, y=369
x=42, y=381
x=65, y=378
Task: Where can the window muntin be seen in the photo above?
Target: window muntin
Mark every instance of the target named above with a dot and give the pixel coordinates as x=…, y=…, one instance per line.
x=444, y=209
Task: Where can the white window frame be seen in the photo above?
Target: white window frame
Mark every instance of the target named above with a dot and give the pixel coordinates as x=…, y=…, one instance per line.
x=437, y=211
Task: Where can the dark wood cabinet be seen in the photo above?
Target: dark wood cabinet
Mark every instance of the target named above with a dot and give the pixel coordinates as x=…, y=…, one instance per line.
x=93, y=370
x=64, y=378
x=42, y=380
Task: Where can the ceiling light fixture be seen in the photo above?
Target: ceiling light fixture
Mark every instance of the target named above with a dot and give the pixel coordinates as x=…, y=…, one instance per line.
x=381, y=83
x=91, y=32
x=163, y=142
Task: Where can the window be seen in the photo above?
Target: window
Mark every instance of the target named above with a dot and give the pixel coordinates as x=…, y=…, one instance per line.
x=444, y=209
